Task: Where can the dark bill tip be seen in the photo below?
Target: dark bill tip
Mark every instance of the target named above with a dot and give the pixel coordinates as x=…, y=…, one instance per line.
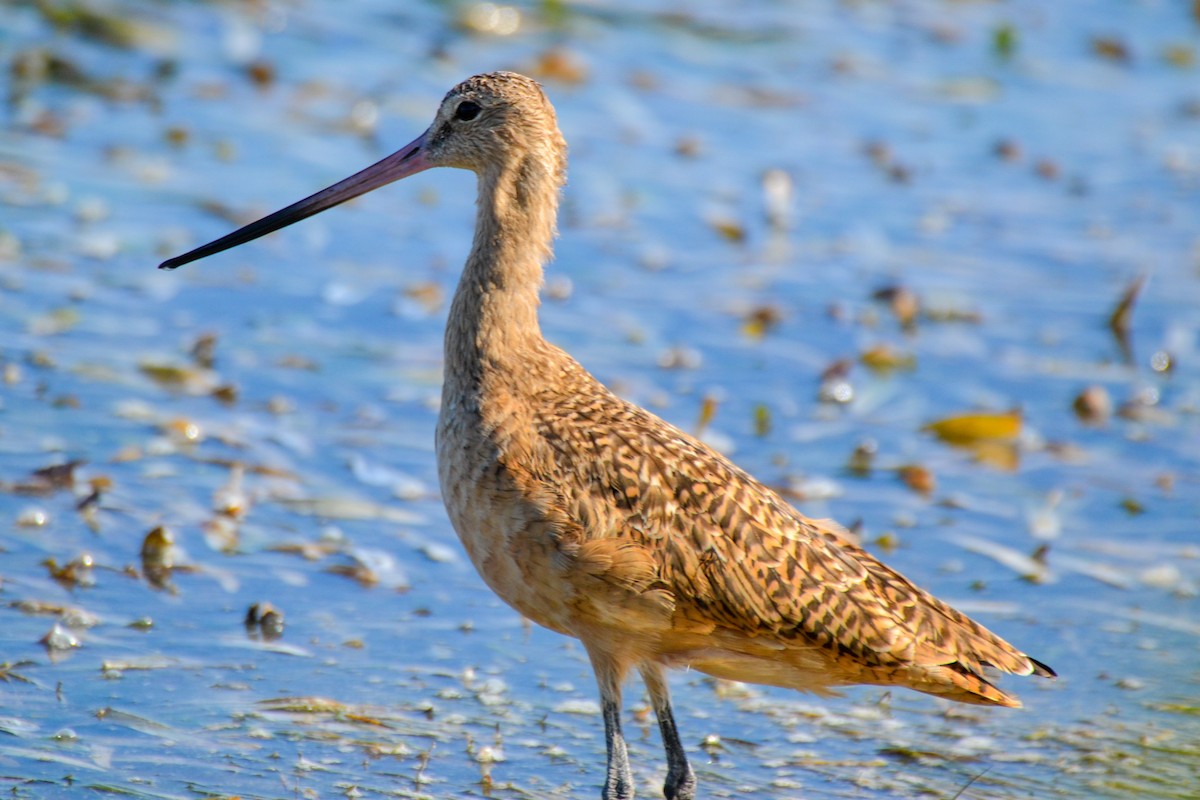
x=406, y=161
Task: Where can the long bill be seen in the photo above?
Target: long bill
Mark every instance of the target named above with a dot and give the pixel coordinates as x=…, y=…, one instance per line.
x=406, y=161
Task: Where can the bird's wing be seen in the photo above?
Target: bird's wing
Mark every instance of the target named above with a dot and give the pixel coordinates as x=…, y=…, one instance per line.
x=731, y=553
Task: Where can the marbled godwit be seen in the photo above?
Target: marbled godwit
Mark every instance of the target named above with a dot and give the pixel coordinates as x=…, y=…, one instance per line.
x=596, y=519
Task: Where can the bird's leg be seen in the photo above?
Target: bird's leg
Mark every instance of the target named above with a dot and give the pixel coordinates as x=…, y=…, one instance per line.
x=681, y=781
x=619, y=783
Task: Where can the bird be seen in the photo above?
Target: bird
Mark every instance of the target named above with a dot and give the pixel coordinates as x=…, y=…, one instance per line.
x=594, y=518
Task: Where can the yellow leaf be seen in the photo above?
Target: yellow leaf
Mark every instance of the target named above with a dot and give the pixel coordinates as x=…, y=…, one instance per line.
x=967, y=428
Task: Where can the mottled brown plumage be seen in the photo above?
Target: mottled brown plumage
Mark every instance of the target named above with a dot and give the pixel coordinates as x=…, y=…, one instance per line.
x=595, y=518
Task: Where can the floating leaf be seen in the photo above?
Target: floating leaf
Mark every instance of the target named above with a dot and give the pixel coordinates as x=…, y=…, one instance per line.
x=558, y=64
x=762, y=420
x=918, y=478
x=179, y=377
x=1132, y=507
x=968, y=428
x=886, y=358
x=1004, y=40
x=9, y=674
x=1118, y=321
x=76, y=572
x=261, y=73
x=428, y=294
x=159, y=554
x=729, y=229
x=1111, y=48
x=1047, y=168
x=1179, y=55
x=183, y=430
x=304, y=705
x=761, y=320
x=708, y=410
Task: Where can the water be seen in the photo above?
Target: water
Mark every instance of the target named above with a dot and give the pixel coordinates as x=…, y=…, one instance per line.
x=1019, y=194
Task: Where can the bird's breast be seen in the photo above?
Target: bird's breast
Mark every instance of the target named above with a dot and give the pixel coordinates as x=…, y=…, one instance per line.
x=505, y=531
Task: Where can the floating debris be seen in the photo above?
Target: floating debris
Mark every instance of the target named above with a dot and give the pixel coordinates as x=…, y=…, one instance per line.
x=230, y=499
x=887, y=358
x=728, y=229
x=32, y=517
x=1093, y=405
x=762, y=420
x=348, y=508
x=265, y=620
x=1005, y=40
x=903, y=302
x=835, y=384
x=78, y=572
x=862, y=459
x=116, y=667
x=1007, y=150
x=47, y=480
x=918, y=478
x=559, y=64
x=492, y=19
x=159, y=555
x=372, y=567
x=9, y=674
x=1122, y=314
x=778, y=191
x=1031, y=569
x=58, y=639
x=1111, y=49
x=760, y=320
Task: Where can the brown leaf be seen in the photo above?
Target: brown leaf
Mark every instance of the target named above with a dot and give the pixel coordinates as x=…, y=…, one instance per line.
x=760, y=320
x=885, y=358
x=1111, y=48
x=918, y=478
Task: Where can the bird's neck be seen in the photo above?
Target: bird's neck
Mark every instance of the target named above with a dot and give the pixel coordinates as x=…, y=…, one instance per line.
x=493, y=317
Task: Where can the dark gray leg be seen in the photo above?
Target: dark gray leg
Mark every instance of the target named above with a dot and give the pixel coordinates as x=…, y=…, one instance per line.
x=619, y=783
x=681, y=781
x=610, y=671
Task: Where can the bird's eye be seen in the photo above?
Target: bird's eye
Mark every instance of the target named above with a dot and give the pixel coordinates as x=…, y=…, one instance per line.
x=467, y=110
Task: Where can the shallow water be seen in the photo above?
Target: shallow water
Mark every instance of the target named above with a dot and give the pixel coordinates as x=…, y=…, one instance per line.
x=1013, y=167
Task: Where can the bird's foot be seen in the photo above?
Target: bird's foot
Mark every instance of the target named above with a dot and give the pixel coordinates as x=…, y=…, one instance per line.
x=680, y=786
x=618, y=788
